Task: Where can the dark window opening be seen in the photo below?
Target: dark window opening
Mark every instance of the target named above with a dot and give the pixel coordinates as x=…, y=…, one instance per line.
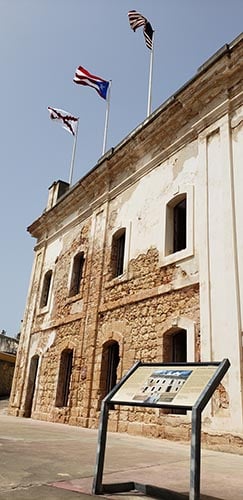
x=77, y=274
x=179, y=355
x=64, y=378
x=179, y=347
x=46, y=289
x=175, y=351
x=112, y=363
x=109, y=364
x=179, y=222
x=175, y=346
x=176, y=225
x=31, y=386
x=117, y=254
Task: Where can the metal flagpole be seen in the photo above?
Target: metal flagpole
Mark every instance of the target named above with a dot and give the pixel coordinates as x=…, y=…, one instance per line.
x=106, y=119
x=73, y=155
x=150, y=78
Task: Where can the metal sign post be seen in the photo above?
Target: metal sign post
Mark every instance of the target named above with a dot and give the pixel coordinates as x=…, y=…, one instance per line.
x=172, y=383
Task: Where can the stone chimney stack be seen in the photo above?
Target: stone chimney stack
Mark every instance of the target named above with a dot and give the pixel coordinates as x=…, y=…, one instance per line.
x=56, y=190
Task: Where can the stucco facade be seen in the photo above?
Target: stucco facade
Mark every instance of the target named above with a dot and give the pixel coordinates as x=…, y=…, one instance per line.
x=142, y=260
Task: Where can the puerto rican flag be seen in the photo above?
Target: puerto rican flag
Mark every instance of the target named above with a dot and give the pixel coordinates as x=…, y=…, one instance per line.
x=83, y=77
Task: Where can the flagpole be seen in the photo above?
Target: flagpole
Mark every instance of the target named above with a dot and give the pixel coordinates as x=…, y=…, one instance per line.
x=73, y=155
x=106, y=119
x=150, y=79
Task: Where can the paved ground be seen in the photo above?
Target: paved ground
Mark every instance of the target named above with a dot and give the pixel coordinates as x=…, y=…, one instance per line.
x=41, y=460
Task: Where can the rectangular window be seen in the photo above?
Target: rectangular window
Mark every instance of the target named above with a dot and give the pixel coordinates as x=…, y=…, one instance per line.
x=117, y=253
x=178, y=235
x=46, y=289
x=109, y=364
x=120, y=254
x=77, y=272
x=179, y=355
x=64, y=377
x=176, y=221
x=179, y=216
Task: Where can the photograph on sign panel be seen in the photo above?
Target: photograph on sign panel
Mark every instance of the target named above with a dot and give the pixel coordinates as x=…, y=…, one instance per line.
x=162, y=386
x=165, y=385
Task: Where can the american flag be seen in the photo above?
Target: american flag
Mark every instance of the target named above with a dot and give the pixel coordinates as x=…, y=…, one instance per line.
x=83, y=77
x=66, y=120
x=136, y=20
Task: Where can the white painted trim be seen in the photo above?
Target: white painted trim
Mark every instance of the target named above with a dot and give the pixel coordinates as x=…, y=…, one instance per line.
x=189, y=250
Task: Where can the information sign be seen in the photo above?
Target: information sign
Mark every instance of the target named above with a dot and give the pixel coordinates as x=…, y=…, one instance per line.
x=165, y=385
x=179, y=385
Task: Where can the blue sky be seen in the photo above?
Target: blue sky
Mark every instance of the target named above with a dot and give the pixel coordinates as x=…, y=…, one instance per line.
x=41, y=44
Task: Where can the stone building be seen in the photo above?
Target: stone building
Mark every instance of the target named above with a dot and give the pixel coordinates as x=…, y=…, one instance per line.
x=142, y=259
x=8, y=350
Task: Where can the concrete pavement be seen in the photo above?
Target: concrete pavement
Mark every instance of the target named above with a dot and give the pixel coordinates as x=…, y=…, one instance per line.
x=54, y=461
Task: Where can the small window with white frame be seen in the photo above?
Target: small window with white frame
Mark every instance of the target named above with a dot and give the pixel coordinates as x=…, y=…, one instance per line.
x=46, y=289
x=118, y=252
x=178, y=224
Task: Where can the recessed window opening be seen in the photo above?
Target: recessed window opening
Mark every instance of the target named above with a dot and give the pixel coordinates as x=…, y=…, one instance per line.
x=77, y=274
x=175, y=346
x=176, y=224
x=31, y=385
x=179, y=347
x=175, y=351
x=109, y=364
x=117, y=254
x=112, y=363
x=64, y=378
x=46, y=288
x=179, y=222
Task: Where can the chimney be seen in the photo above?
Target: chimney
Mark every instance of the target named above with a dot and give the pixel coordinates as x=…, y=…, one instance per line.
x=56, y=190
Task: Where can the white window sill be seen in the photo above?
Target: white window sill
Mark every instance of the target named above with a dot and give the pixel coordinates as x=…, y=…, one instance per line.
x=176, y=257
